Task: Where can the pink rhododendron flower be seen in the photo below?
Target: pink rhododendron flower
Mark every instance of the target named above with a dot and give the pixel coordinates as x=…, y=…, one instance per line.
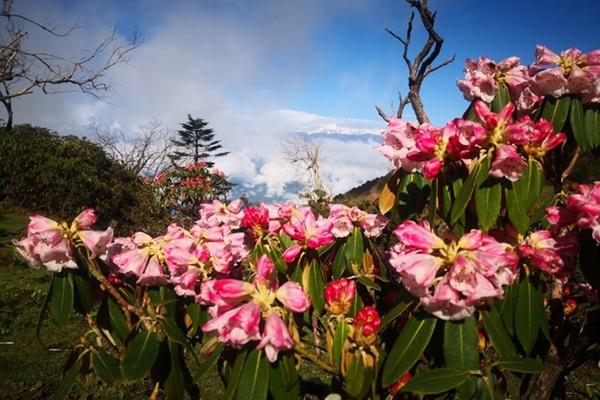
x=451, y=278
x=256, y=222
x=345, y=218
x=582, y=207
x=239, y=306
x=217, y=213
x=308, y=231
x=552, y=255
x=50, y=244
x=398, y=141
x=339, y=295
x=366, y=324
x=571, y=72
x=431, y=145
x=543, y=139
x=507, y=163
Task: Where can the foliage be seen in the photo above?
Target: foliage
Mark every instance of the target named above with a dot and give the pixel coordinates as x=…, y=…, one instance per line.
x=488, y=289
x=180, y=191
x=196, y=143
x=43, y=172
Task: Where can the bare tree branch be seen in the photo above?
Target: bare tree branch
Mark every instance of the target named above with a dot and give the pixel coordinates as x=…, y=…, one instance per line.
x=145, y=152
x=23, y=71
x=306, y=155
x=421, y=66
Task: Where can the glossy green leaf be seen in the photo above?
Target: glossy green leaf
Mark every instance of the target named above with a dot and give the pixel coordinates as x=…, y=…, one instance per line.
x=501, y=99
x=369, y=283
x=508, y=306
x=67, y=382
x=529, y=187
x=84, y=292
x=461, y=350
x=592, y=126
x=341, y=333
x=276, y=256
x=140, y=356
x=316, y=286
x=117, y=319
x=195, y=312
x=354, y=249
x=464, y=195
x=516, y=209
x=436, y=381
x=523, y=365
x=556, y=111
x=577, y=122
x=175, y=383
x=527, y=314
x=488, y=198
x=233, y=378
x=284, y=381
x=338, y=266
x=208, y=363
x=173, y=332
x=358, y=378
x=61, y=298
x=254, y=381
x=409, y=345
x=412, y=195
x=105, y=366
x=501, y=340
x=394, y=313
x=470, y=114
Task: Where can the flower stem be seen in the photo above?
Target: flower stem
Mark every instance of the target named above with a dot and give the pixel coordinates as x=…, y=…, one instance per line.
x=303, y=352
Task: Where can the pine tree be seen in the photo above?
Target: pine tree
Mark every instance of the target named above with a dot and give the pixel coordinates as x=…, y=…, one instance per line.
x=195, y=143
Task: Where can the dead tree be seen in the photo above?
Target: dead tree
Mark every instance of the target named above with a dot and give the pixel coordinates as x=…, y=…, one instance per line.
x=144, y=152
x=306, y=155
x=422, y=64
x=23, y=71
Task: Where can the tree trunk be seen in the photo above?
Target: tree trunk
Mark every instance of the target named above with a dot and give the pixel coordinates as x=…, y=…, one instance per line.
x=9, y=113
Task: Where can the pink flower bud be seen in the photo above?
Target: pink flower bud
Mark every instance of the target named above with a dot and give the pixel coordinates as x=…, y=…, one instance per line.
x=292, y=296
x=366, y=324
x=85, y=219
x=339, y=296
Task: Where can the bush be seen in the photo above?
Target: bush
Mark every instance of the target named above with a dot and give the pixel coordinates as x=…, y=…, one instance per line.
x=44, y=172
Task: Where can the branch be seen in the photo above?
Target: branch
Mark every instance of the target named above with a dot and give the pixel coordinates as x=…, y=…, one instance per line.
x=6, y=12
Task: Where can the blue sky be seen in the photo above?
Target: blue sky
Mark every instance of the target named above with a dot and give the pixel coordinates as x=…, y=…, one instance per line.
x=259, y=71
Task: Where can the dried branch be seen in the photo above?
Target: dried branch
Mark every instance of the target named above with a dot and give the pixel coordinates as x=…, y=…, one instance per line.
x=421, y=66
x=306, y=155
x=23, y=71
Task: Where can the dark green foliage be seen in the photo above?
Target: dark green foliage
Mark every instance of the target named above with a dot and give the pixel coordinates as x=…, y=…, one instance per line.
x=59, y=176
x=196, y=143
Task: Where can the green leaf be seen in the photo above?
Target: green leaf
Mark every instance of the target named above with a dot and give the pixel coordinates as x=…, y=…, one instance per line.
x=358, y=378
x=527, y=315
x=341, y=333
x=284, y=381
x=529, y=187
x=509, y=304
x=173, y=332
x=339, y=262
x=195, y=312
x=464, y=195
x=61, y=298
x=276, y=256
x=394, y=313
x=209, y=362
x=556, y=111
x=84, y=292
x=412, y=195
x=492, y=322
x=354, y=249
x=316, y=286
x=254, y=381
x=577, y=122
x=140, y=356
x=105, y=366
x=369, y=283
x=461, y=351
x=437, y=381
x=592, y=126
x=488, y=198
x=524, y=365
x=175, y=383
x=117, y=319
x=501, y=99
x=233, y=380
x=67, y=382
x=407, y=348
x=516, y=211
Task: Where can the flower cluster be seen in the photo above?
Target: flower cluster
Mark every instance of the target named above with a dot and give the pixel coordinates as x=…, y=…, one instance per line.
x=552, y=254
x=339, y=295
x=451, y=278
x=365, y=326
x=345, y=218
x=50, y=244
x=570, y=72
x=426, y=149
x=238, y=307
x=308, y=231
x=581, y=208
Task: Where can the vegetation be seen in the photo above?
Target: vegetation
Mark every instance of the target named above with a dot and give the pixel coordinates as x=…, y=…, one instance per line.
x=196, y=143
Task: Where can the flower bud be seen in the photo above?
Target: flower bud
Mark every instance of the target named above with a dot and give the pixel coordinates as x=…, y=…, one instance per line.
x=400, y=383
x=339, y=296
x=366, y=324
x=570, y=307
x=482, y=340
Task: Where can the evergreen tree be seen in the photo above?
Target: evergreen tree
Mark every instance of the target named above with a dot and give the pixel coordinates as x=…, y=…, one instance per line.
x=195, y=143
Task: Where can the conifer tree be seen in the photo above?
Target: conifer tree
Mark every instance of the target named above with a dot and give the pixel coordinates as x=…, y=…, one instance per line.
x=195, y=142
